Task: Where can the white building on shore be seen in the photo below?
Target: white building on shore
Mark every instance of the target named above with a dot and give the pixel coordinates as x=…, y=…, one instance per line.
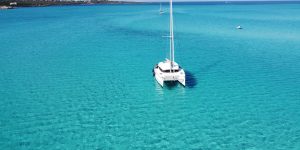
x=13, y=4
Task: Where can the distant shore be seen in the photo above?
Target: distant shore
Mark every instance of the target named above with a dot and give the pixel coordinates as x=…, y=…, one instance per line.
x=31, y=3
x=5, y=4
x=6, y=7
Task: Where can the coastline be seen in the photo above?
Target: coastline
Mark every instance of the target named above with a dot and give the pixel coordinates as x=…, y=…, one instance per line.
x=6, y=7
x=6, y=4
x=30, y=3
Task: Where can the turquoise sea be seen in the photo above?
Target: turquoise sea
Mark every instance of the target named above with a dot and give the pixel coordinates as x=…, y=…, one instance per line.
x=80, y=77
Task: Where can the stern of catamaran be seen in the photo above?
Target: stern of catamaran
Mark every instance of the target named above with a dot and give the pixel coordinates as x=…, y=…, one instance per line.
x=164, y=73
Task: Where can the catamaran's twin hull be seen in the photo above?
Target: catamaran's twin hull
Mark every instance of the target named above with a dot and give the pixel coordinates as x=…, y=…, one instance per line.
x=162, y=77
x=169, y=70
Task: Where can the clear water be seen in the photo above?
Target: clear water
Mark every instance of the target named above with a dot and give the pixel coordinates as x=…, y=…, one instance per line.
x=79, y=77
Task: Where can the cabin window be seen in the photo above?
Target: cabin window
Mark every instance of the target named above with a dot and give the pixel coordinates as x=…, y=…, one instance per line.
x=167, y=71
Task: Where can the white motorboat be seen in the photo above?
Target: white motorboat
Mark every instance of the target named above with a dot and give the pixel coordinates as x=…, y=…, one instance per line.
x=239, y=27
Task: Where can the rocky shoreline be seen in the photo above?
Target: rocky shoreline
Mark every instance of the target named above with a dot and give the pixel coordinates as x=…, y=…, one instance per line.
x=6, y=7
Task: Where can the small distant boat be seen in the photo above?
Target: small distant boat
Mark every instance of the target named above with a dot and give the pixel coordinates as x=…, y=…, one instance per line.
x=169, y=70
x=161, y=10
x=239, y=27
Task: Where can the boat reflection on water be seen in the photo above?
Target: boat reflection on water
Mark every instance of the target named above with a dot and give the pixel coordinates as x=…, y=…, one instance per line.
x=158, y=89
x=175, y=87
x=191, y=82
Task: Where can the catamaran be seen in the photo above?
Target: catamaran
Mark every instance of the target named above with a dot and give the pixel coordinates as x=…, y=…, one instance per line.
x=169, y=70
x=161, y=10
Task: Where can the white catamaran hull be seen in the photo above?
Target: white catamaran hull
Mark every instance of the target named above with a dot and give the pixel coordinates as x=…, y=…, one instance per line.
x=162, y=77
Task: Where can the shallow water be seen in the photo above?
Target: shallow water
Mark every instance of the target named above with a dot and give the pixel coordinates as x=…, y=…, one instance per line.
x=79, y=77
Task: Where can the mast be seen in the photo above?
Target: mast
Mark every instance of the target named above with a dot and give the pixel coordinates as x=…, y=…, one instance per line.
x=160, y=10
x=171, y=36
